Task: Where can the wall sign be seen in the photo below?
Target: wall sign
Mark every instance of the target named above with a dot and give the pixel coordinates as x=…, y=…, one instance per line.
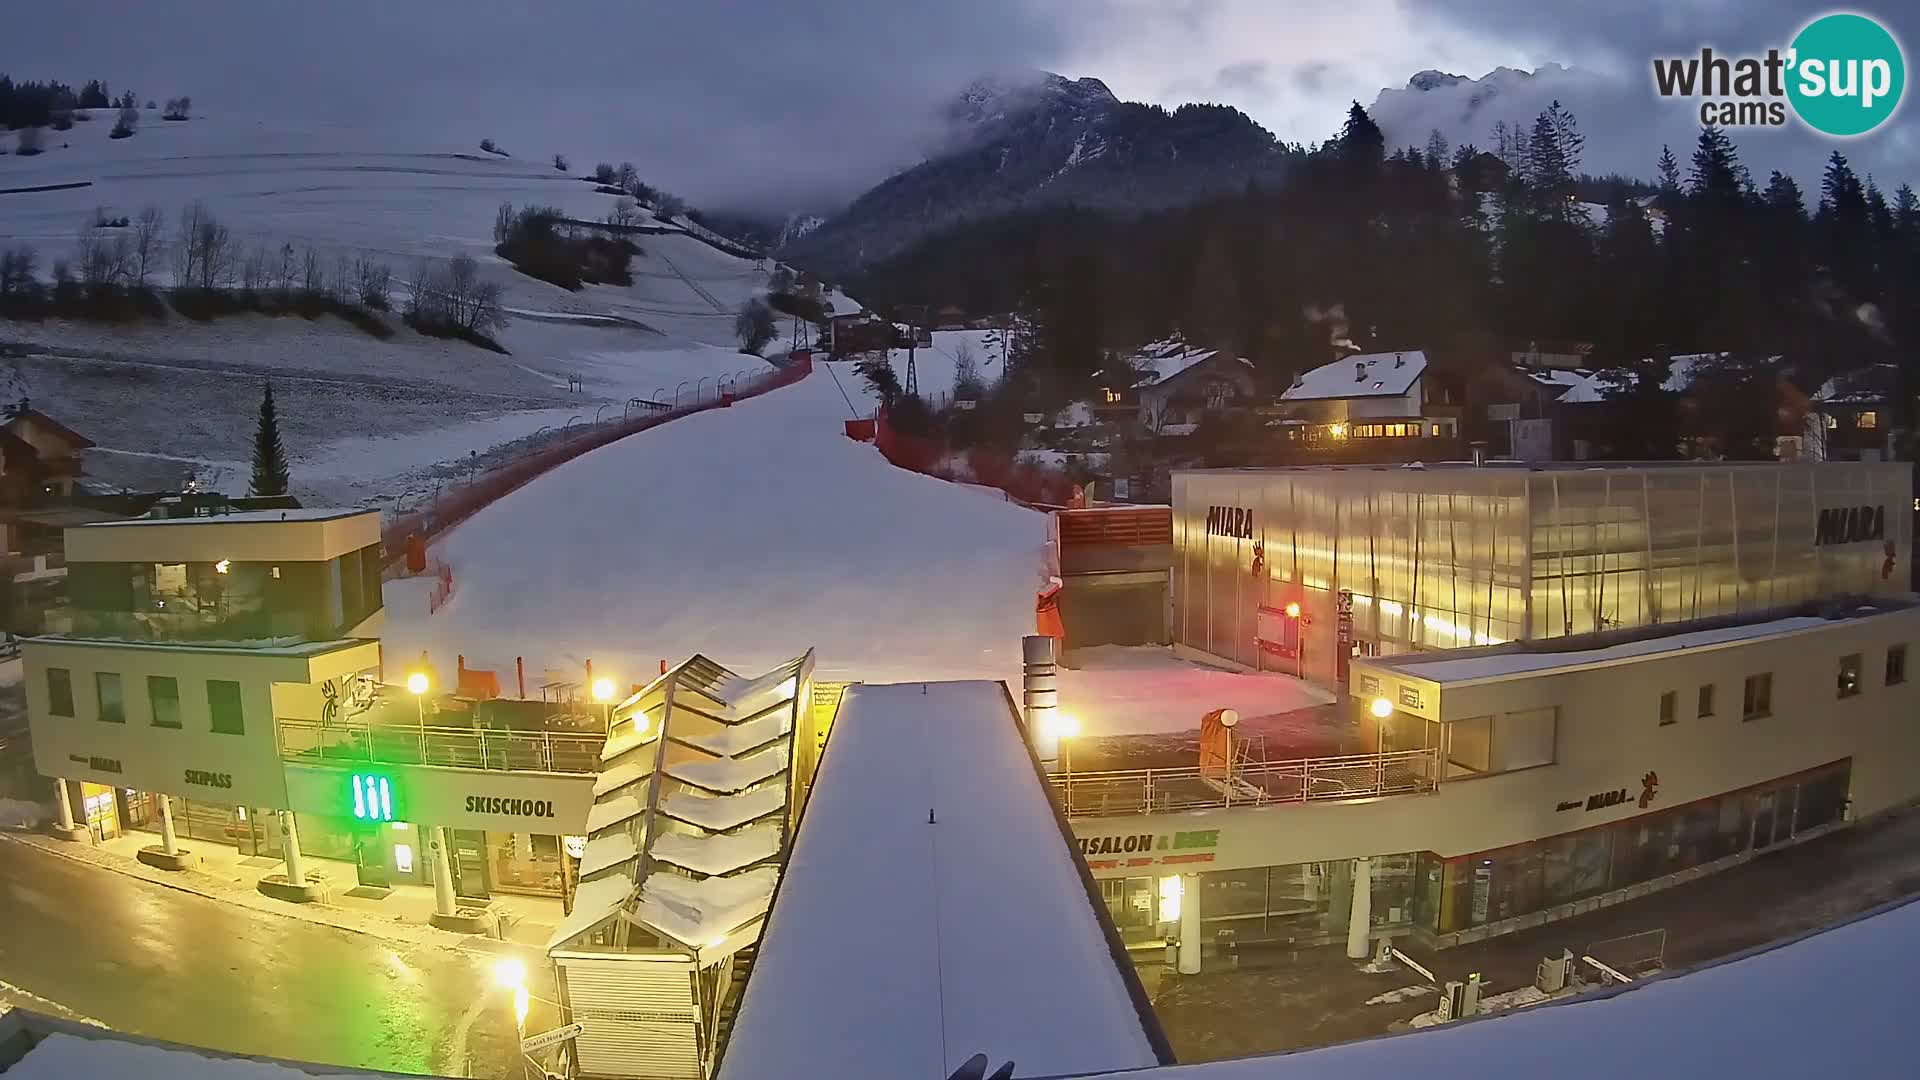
x=203, y=778
x=1148, y=849
x=97, y=764
x=482, y=804
x=1230, y=521
x=1850, y=525
x=1600, y=800
x=1410, y=696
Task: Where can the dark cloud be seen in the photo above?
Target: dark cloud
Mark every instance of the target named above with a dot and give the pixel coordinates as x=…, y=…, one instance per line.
x=1248, y=76
x=1608, y=51
x=1312, y=78
x=738, y=102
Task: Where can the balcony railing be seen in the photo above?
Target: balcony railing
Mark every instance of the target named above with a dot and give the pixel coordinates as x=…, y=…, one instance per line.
x=1266, y=783
x=453, y=747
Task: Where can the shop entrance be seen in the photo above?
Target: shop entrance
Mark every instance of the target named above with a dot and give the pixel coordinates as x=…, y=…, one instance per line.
x=469, y=864
x=101, y=810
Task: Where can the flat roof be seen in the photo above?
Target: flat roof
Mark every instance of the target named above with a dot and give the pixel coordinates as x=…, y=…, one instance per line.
x=245, y=517
x=1522, y=658
x=1851, y=1017
x=1508, y=465
x=933, y=909
x=263, y=647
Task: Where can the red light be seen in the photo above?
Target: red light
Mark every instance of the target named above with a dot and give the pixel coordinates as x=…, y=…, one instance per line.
x=1293, y=610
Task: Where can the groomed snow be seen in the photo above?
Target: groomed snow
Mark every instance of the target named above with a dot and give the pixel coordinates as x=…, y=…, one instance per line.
x=976, y=930
x=1837, y=1003
x=60, y=1056
x=747, y=534
x=723, y=811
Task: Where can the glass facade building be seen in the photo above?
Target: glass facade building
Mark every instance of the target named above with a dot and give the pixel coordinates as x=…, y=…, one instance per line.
x=1384, y=560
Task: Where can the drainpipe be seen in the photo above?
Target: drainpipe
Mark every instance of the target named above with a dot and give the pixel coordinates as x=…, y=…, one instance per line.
x=1040, y=694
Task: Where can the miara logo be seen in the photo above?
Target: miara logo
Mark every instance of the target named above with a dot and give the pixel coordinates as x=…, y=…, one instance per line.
x=1843, y=75
x=1850, y=525
x=1230, y=521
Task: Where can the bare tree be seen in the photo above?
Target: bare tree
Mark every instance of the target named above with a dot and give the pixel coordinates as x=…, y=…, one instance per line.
x=187, y=254
x=372, y=282
x=625, y=211
x=484, y=314
x=255, y=275
x=629, y=177
x=16, y=271
x=753, y=326
x=341, y=285
x=421, y=302
x=285, y=269
x=503, y=219
x=312, y=278
x=92, y=255
x=147, y=244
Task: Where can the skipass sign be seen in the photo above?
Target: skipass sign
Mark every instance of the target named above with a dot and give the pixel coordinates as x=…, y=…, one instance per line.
x=1843, y=74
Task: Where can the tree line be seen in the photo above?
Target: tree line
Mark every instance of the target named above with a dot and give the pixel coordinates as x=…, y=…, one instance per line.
x=1466, y=252
x=54, y=104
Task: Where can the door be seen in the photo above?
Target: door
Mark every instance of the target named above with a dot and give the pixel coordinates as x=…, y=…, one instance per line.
x=370, y=857
x=1763, y=815
x=469, y=864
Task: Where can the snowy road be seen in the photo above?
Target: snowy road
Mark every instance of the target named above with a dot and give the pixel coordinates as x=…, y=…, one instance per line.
x=155, y=961
x=749, y=534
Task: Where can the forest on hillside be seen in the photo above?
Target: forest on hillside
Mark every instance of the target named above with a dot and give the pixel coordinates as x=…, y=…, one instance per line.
x=1465, y=252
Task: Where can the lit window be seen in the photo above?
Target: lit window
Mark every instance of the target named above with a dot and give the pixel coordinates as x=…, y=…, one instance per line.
x=1110, y=395
x=1848, y=683
x=1436, y=431
x=1832, y=421
x=1896, y=665
x=1867, y=419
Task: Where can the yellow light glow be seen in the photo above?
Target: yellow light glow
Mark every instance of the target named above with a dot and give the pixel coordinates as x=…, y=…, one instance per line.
x=1382, y=708
x=520, y=1006
x=603, y=689
x=1338, y=431
x=510, y=973
x=1170, y=893
x=221, y=566
x=417, y=683
x=1293, y=610
x=1063, y=725
x=641, y=722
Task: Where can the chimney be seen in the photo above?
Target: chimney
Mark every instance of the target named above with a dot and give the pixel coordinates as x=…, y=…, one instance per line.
x=1360, y=372
x=1299, y=381
x=1399, y=360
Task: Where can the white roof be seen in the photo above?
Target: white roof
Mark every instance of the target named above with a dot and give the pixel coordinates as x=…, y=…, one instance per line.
x=1574, y=386
x=1385, y=375
x=991, y=944
x=593, y=901
x=701, y=912
x=1684, y=369
x=720, y=854
x=729, y=775
x=1851, y=1016
x=306, y=513
x=1502, y=664
x=60, y=1056
x=723, y=811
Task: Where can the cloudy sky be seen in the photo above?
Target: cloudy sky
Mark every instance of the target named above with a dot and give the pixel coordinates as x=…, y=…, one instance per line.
x=779, y=104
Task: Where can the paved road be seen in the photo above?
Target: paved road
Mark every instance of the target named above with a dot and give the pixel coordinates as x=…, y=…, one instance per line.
x=173, y=965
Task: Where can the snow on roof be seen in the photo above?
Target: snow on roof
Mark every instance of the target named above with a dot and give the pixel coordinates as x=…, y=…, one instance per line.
x=1684, y=369
x=740, y=738
x=1851, y=1017
x=730, y=774
x=1573, y=385
x=60, y=1056
x=1523, y=662
x=606, y=815
x=1362, y=375
x=621, y=775
x=719, y=854
x=245, y=517
x=606, y=851
x=723, y=811
x=1865, y=385
x=1163, y=360
x=997, y=903
x=593, y=902
x=699, y=912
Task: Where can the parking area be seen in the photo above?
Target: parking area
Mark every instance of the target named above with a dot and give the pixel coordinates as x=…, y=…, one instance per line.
x=1292, y=999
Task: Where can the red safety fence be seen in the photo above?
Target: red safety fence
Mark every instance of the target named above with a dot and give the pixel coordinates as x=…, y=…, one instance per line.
x=1024, y=481
x=459, y=503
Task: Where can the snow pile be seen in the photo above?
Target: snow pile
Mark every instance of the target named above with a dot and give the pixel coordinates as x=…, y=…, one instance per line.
x=723, y=811
x=730, y=775
x=746, y=534
x=721, y=854
x=1146, y=690
x=20, y=814
x=702, y=912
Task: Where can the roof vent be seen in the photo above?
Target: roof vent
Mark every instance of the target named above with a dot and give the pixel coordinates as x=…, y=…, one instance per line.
x=1399, y=360
x=1299, y=381
x=1360, y=372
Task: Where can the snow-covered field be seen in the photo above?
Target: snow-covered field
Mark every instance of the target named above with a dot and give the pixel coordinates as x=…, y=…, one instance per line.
x=363, y=419
x=1146, y=690
x=749, y=534
x=935, y=367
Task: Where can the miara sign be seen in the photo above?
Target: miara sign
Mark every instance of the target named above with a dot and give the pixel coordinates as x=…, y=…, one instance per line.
x=1850, y=525
x=1230, y=521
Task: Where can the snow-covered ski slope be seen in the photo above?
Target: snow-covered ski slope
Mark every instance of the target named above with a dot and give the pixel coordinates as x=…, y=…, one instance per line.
x=747, y=534
x=363, y=419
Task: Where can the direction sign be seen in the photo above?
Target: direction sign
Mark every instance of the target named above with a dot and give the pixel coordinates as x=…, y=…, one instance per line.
x=547, y=1038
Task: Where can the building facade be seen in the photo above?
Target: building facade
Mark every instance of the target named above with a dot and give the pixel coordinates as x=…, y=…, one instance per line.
x=1506, y=785
x=1380, y=561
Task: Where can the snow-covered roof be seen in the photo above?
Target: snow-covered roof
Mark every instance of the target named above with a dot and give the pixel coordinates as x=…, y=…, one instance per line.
x=721, y=854
x=1358, y=376
x=1572, y=386
x=593, y=902
x=992, y=945
x=723, y=811
x=244, y=517
x=1861, y=386
x=1684, y=369
x=1160, y=361
x=1851, y=1017
x=58, y=1055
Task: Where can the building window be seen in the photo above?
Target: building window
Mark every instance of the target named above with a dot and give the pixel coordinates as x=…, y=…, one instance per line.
x=223, y=701
x=163, y=694
x=1867, y=420
x=59, y=691
x=1833, y=422
x=1848, y=683
x=113, y=704
x=1706, y=701
x=1758, y=701
x=1436, y=431
x=1669, y=707
x=1111, y=396
x=1896, y=665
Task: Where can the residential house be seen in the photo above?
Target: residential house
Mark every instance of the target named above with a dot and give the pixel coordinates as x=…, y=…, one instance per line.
x=1386, y=406
x=1535, y=413
x=43, y=456
x=1850, y=416
x=1167, y=387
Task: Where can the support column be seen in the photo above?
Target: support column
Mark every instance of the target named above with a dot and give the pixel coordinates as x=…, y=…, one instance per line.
x=442, y=873
x=290, y=840
x=62, y=807
x=168, y=842
x=1360, y=918
x=1189, y=924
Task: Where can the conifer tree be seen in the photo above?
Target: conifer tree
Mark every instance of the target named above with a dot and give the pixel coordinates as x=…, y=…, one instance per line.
x=269, y=456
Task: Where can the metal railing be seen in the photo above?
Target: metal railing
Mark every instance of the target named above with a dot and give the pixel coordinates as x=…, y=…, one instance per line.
x=1266, y=783
x=460, y=748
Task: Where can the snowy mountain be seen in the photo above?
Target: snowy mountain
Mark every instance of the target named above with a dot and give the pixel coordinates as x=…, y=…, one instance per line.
x=1049, y=140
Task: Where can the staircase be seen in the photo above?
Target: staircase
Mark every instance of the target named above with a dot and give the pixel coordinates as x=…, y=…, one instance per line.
x=730, y=1005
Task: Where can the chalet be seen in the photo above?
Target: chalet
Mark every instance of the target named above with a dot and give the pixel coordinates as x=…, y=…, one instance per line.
x=1168, y=386
x=1536, y=413
x=1849, y=417
x=44, y=457
x=1370, y=407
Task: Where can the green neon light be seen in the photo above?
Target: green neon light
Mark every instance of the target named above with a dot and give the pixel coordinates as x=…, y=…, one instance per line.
x=372, y=798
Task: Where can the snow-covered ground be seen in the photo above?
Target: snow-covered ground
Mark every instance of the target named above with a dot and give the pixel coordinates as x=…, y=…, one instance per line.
x=363, y=419
x=749, y=534
x=935, y=367
x=1146, y=690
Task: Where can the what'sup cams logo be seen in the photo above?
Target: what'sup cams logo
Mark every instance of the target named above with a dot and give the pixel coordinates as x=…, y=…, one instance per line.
x=1842, y=75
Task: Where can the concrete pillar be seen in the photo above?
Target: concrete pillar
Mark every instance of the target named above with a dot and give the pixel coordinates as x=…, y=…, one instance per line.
x=290, y=844
x=168, y=843
x=62, y=807
x=442, y=872
x=1189, y=924
x=1040, y=695
x=1360, y=921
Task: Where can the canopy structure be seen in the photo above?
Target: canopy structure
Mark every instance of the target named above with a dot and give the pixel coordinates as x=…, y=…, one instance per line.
x=690, y=823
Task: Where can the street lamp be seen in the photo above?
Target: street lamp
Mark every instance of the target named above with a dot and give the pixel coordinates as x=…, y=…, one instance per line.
x=509, y=973
x=603, y=693
x=417, y=686
x=1381, y=708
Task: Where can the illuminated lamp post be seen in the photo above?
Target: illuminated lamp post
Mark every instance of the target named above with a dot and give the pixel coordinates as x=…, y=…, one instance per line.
x=417, y=685
x=603, y=691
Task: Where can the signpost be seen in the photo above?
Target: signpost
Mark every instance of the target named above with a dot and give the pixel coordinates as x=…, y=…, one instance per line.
x=548, y=1038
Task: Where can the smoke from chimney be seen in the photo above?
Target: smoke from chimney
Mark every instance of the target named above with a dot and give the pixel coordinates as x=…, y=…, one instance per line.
x=1337, y=328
